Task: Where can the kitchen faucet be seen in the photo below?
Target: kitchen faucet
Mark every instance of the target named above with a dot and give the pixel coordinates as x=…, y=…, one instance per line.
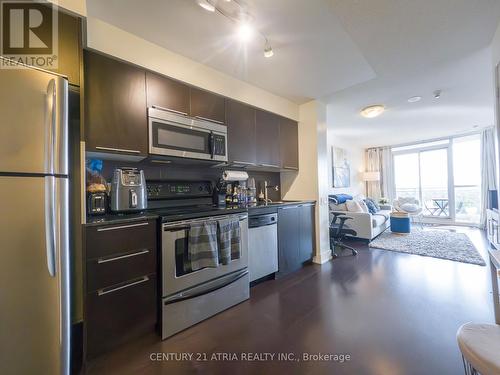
x=266, y=199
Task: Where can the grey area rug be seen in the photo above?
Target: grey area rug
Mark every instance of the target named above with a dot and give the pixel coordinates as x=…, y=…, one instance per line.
x=434, y=243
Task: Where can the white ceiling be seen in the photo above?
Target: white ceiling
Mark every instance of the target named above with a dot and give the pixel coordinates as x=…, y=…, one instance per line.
x=348, y=53
x=466, y=101
x=416, y=47
x=314, y=56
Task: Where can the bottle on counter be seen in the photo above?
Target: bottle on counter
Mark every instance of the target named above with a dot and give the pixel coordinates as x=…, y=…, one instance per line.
x=236, y=192
x=229, y=195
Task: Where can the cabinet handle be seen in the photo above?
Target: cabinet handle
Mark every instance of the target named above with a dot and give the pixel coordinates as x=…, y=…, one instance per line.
x=102, y=292
x=107, y=260
x=243, y=162
x=121, y=227
x=294, y=168
x=269, y=165
x=209, y=119
x=118, y=149
x=169, y=110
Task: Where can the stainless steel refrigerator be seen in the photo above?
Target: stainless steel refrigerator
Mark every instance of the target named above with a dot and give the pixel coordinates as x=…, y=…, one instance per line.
x=34, y=247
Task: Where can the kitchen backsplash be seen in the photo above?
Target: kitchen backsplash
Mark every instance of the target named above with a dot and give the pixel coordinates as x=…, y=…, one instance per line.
x=156, y=171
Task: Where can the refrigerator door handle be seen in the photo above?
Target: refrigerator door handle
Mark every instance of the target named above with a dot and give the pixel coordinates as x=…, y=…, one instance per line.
x=50, y=125
x=50, y=224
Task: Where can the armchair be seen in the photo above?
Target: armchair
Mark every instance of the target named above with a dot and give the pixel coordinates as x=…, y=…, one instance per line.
x=411, y=206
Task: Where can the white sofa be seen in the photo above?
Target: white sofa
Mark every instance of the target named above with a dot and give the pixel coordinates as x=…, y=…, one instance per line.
x=367, y=225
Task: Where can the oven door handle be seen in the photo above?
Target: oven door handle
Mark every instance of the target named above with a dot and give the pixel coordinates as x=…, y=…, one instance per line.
x=206, y=288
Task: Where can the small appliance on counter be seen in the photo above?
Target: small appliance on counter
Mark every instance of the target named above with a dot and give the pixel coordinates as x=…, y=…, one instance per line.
x=97, y=192
x=97, y=203
x=128, y=190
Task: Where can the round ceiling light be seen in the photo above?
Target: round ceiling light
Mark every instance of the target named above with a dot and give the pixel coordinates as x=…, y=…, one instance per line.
x=372, y=111
x=414, y=99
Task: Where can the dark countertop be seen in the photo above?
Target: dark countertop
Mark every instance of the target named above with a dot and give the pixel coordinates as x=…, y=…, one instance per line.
x=147, y=215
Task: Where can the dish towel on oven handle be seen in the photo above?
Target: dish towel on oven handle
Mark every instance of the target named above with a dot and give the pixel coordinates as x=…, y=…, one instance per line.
x=229, y=240
x=202, y=245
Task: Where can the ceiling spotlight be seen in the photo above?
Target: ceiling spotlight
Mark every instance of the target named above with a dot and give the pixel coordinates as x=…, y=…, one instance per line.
x=372, y=111
x=268, y=50
x=245, y=32
x=437, y=94
x=414, y=99
x=206, y=4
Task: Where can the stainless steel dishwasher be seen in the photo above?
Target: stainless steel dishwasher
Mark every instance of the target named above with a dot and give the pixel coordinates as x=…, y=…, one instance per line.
x=262, y=245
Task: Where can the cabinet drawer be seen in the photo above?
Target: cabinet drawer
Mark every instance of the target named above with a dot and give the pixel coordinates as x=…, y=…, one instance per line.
x=111, y=240
x=120, y=314
x=105, y=271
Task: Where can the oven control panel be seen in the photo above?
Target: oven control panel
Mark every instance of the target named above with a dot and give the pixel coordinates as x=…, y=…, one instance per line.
x=176, y=189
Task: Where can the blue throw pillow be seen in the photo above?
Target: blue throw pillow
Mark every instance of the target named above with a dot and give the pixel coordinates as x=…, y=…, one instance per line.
x=371, y=207
x=377, y=207
x=340, y=198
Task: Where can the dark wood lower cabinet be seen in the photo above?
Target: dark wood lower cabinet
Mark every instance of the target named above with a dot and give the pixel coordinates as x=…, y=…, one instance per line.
x=119, y=314
x=295, y=237
x=121, y=287
x=306, y=230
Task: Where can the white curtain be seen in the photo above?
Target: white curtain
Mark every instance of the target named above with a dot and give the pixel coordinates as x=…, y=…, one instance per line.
x=488, y=170
x=388, y=184
x=381, y=160
x=373, y=165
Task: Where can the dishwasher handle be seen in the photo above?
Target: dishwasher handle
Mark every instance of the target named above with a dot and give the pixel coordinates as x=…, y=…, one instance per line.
x=262, y=220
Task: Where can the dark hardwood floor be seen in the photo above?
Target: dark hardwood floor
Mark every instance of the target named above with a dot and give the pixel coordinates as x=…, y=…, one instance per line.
x=392, y=313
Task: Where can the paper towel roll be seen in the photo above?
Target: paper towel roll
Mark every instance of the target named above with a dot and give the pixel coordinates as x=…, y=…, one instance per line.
x=234, y=176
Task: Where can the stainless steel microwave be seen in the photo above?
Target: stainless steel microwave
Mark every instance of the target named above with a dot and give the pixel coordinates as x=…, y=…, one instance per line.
x=171, y=134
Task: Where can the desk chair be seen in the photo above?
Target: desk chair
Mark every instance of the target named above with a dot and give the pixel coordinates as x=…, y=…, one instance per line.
x=338, y=233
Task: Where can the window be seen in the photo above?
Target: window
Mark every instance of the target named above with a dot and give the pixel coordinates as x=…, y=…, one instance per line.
x=423, y=175
x=443, y=175
x=467, y=178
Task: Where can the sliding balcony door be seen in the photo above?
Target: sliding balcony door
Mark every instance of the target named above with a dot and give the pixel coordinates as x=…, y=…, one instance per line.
x=444, y=176
x=423, y=175
x=467, y=178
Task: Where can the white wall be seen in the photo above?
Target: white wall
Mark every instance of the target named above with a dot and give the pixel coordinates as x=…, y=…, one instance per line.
x=356, y=157
x=311, y=182
x=113, y=41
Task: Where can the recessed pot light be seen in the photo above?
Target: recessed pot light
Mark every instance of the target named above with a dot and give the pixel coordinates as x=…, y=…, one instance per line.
x=414, y=99
x=372, y=111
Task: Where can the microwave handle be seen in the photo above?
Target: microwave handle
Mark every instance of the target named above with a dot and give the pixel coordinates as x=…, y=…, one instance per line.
x=212, y=145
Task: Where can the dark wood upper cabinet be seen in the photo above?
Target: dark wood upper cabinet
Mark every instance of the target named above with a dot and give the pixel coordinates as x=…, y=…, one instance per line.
x=167, y=93
x=208, y=106
x=267, y=127
x=241, y=133
x=289, y=144
x=70, y=47
x=115, y=106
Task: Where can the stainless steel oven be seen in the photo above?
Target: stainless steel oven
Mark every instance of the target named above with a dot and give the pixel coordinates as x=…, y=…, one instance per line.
x=189, y=297
x=171, y=134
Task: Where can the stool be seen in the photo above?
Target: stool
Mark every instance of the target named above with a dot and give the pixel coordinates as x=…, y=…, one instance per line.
x=480, y=347
x=400, y=223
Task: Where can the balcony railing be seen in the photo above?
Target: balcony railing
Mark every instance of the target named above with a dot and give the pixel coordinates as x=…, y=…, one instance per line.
x=435, y=202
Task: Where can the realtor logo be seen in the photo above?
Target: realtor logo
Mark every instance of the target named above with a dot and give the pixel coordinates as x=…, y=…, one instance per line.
x=29, y=34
